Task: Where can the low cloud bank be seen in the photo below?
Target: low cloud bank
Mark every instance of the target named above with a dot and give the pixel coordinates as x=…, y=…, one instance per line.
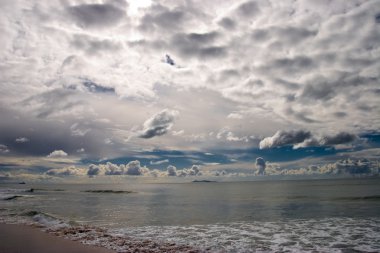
x=134, y=168
x=66, y=171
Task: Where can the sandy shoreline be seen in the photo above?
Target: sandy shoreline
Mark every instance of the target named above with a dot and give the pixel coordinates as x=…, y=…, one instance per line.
x=27, y=239
x=19, y=238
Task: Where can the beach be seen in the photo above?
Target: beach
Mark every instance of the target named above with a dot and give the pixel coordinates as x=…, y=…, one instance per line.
x=27, y=239
x=276, y=216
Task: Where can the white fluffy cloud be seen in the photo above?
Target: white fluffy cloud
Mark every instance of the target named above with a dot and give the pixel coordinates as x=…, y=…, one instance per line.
x=134, y=168
x=172, y=171
x=282, y=138
x=57, y=154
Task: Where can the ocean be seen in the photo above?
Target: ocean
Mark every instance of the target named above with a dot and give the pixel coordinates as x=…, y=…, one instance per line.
x=260, y=216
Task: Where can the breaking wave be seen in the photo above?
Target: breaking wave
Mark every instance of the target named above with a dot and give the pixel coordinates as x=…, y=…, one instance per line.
x=11, y=194
x=325, y=235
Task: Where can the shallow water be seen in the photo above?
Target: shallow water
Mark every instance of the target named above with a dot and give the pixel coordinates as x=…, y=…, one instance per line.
x=321, y=215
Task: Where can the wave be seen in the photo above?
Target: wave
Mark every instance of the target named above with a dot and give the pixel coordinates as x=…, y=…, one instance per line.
x=12, y=194
x=49, y=190
x=297, y=235
x=351, y=198
x=108, y=191
x=370, y=197
x=323, y=235
x=92, y=235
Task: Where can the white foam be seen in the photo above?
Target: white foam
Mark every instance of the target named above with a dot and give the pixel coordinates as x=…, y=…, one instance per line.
x=295, y=235
x=326, y=235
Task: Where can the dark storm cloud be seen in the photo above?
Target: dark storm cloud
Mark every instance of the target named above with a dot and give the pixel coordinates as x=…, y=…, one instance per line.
x=46, y=136
x=96, y=15
x=340, y=138
x=282, y=138
x=158, y=124
x=260, y=165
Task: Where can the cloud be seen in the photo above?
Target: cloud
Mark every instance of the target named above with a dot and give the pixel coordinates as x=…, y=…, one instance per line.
x=227, y=23
x=172, y=171
x=134, y=168
x=309, y=65
x=4, y=149
x=159, y=162
x=93, y=170
x=159, y=124
x=302, y=139
x=96, y=15
x=76, y=130
x=340, y=138
x=198, y=45
x=160, y=17
x=248, y=9
x=195, y=170
x=260, y=165
x=169, y=60
x=66, y=171
x=92, y=45
x=21, y=140
x=57, y=154
x=282, y=138
x=113, y=169
x=340, y=167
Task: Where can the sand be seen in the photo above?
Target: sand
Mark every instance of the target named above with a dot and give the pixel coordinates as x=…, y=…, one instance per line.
x=26, y=239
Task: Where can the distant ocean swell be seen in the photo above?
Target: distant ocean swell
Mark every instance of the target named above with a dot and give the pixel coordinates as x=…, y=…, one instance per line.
x=324, y=235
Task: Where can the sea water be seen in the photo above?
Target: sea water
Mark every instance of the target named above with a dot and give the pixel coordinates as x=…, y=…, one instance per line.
x=262, y=216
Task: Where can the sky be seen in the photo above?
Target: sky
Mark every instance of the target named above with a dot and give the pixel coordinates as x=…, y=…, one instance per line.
x=189, y=88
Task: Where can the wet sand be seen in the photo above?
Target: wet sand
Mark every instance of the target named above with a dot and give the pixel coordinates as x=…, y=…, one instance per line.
x=26, y=239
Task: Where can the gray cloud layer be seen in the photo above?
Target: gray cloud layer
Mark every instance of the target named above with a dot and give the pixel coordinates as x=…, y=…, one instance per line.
x=158, y=124
x=86, y=76
x=301, y=138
